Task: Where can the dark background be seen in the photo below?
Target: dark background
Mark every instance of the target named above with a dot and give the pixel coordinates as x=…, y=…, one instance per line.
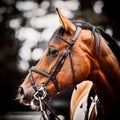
x=11, y=77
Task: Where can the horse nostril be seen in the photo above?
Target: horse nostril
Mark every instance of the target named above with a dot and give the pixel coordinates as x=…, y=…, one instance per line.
x=21, y=91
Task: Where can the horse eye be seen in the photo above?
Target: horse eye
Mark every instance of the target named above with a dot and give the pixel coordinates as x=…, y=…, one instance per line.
x=52, y=51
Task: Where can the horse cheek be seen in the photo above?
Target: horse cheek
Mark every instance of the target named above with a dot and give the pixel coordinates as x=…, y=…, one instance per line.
x=83, y=70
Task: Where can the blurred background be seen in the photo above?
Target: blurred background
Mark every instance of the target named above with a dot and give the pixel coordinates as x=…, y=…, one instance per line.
x=25, y=29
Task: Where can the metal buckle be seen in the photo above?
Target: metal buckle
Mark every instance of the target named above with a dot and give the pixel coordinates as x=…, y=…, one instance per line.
x=41, y=93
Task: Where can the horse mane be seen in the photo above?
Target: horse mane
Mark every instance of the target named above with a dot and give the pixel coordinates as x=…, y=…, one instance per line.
x=113, y=43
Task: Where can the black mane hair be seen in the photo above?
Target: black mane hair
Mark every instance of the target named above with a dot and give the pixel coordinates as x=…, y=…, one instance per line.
x=113, y=43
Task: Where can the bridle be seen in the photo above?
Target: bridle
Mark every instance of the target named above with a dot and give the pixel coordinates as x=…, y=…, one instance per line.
x=41, y=91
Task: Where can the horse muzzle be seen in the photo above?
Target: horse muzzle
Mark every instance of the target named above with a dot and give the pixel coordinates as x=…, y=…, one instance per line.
x=31, y=96
x=25, y=96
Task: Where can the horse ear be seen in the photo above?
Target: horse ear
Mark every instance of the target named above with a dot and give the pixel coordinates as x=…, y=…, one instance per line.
x=66, y=23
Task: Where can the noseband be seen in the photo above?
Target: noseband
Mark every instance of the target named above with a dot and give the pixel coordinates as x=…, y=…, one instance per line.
x=40, y=91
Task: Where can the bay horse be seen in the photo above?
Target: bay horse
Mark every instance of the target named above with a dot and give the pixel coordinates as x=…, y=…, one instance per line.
x=80, y=55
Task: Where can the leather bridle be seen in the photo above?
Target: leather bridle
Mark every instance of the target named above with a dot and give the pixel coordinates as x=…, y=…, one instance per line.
x=40, y=91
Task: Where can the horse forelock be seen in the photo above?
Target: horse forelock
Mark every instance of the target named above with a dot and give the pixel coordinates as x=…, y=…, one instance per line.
x=59, y=31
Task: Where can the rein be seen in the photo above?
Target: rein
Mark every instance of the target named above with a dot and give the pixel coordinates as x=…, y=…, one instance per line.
x=41, y=91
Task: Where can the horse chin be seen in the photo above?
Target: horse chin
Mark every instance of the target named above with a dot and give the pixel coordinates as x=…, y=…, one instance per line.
x=34, y=105
x=24, y=102
x=21, y=99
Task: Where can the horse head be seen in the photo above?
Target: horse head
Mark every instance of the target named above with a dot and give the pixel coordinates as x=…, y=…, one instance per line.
x=61, y=63
x=76, y=52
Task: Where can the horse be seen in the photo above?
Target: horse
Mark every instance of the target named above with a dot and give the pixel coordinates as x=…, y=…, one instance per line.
x=81, y=55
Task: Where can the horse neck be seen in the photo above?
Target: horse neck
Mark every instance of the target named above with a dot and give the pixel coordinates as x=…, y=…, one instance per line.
x=106, y=79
